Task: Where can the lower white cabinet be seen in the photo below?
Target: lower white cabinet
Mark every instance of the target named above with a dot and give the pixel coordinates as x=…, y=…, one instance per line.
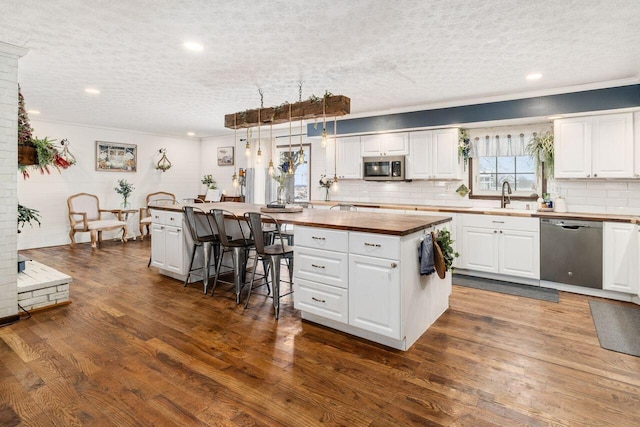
x=620, y=257
x=374, y=295
x=330, y=302
x=168, y=242
x=501, y=245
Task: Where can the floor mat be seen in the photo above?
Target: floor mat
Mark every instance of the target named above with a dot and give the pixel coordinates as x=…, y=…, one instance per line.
x=618, y=326
x=510, y=288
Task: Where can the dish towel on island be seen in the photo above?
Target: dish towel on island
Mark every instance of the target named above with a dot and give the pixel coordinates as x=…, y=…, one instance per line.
x=425, y=255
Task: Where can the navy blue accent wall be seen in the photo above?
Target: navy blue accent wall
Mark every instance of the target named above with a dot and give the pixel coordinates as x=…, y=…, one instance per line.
x=576, y=102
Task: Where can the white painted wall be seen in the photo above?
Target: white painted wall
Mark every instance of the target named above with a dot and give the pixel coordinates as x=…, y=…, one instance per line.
x=48, y=193
x=8, y=164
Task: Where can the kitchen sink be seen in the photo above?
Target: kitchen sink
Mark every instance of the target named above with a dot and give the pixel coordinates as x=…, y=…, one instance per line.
x=502, y=210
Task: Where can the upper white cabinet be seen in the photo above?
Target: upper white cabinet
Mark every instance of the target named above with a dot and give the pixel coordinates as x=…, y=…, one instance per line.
x=594, y=147
x=349, y=162
x=434, y=155
x=385, y=144
x=620, y=253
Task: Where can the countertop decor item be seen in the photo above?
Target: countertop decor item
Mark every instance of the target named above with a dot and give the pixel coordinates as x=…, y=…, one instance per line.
x=326, y=183
x=541, y=149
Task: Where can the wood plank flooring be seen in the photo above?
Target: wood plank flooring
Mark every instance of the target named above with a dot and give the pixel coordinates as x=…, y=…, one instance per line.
x=135, y=348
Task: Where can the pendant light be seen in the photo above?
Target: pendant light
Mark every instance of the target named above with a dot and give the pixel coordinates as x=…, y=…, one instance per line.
x=259, y=153
x=323, y=142
x=234, y=177
x=290, y=170
x=271, y=149
x=301, y=151
x=335, y=154
x=247, y=148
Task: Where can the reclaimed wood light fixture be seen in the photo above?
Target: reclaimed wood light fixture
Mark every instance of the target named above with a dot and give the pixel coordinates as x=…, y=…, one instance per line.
x=333, y=105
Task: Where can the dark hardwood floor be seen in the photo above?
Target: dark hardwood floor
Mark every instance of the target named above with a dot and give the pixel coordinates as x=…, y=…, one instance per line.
x=137, y=348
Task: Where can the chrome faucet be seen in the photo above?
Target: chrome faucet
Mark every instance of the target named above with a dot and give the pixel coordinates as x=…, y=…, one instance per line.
x=503, y=200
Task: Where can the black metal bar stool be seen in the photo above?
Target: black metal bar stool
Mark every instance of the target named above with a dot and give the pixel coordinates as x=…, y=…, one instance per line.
x=203, y=237
x=273, y=254
x=238, y=247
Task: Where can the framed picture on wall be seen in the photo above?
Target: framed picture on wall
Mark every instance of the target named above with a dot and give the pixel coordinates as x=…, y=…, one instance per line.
x=225, y=156
x=116, y=156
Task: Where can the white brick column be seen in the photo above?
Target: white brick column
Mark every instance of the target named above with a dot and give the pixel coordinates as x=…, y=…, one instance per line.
x=9, y=55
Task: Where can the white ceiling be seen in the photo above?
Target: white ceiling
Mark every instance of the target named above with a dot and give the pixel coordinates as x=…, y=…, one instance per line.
x=384, y=55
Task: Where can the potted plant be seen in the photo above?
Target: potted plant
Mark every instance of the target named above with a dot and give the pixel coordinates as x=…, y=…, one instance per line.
x=27, y=216
x=125, y=189
x=443, y=238
x=540, y=147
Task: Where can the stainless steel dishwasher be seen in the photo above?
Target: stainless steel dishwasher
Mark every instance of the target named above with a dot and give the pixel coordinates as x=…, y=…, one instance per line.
x=571, y=252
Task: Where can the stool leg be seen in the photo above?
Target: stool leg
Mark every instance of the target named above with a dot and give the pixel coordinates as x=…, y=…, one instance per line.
x=215, y=279
x=253, y=276
x=206, y=255
x=193, y=254
x=239, y=264
x=275, y=272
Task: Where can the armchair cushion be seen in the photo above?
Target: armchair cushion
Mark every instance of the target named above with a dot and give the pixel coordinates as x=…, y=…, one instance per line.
x=101, y=224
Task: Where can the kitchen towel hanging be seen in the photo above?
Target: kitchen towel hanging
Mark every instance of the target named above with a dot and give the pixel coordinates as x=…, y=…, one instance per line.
x=425, y=255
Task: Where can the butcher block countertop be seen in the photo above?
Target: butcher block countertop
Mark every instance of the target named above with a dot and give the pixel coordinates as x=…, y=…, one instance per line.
x=366, y=222
x=495, y=211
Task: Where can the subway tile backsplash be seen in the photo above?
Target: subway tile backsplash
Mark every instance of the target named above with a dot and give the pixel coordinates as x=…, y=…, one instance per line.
x=620, y=197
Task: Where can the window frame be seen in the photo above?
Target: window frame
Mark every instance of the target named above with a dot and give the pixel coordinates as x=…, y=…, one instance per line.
x=541, y=183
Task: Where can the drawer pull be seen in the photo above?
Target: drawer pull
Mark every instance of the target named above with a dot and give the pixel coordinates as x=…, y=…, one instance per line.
x=317, y=266
x=318, y=238
x=394, y=265
x=498, y=222
x=318, y=300
x=375, y=245
x=172, y=219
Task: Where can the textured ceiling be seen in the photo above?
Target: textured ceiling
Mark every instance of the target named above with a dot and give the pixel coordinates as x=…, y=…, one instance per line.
x=384, y=55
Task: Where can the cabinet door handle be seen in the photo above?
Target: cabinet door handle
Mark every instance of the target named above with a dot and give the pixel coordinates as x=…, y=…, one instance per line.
x=375, y=245
x=500, y=231
x=318, y=300
x=172, y=219
x=495, y=231
x=595, y=175
x=394, y=265
x=318, y=238
x=498, y=222
x=317, y=266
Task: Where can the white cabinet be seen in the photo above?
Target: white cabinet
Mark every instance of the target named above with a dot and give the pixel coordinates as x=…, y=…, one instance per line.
x=169, y=242
x=385, y=144
x=594, y=146
x=620, y=257
x=349, y=161
x=501, y=245
x=374, y=295
x=452, y=227
x=434, y=155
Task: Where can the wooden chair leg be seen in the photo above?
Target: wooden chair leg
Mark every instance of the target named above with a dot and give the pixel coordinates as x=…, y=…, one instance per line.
x=95, y=236
x=72, y=236
x=124, y=234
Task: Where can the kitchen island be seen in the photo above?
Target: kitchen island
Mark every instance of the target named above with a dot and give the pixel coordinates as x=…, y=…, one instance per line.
x=357, y=272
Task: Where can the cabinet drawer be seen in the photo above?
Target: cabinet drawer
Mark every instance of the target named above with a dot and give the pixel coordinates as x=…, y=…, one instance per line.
x=501, y=222
x=375, y=245
x=158, y=216
x=322, y=300
x=321, y=238
x=174, y=219
x=330, y=268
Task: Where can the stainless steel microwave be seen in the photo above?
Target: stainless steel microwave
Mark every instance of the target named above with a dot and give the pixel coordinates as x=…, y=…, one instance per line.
x=384, y=168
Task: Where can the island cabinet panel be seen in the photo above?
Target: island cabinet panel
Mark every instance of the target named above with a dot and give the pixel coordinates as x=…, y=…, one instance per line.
x=374, y=295
x=329, y=267
x=374, y=245
x=169, y=243
x=322, y=238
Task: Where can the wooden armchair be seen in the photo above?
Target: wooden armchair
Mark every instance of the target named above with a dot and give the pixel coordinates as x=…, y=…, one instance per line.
x=157, y=198
x=85, y=216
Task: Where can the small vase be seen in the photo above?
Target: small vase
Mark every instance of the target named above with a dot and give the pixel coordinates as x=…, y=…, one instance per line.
x=326, y=194
x=125, y=205
x=282, y=194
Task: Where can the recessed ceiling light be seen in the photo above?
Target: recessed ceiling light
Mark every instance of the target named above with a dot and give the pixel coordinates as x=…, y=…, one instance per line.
x=191, y=133
x=33, y=111
x=534, y=76
x=193, y=46
x=92, y=91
